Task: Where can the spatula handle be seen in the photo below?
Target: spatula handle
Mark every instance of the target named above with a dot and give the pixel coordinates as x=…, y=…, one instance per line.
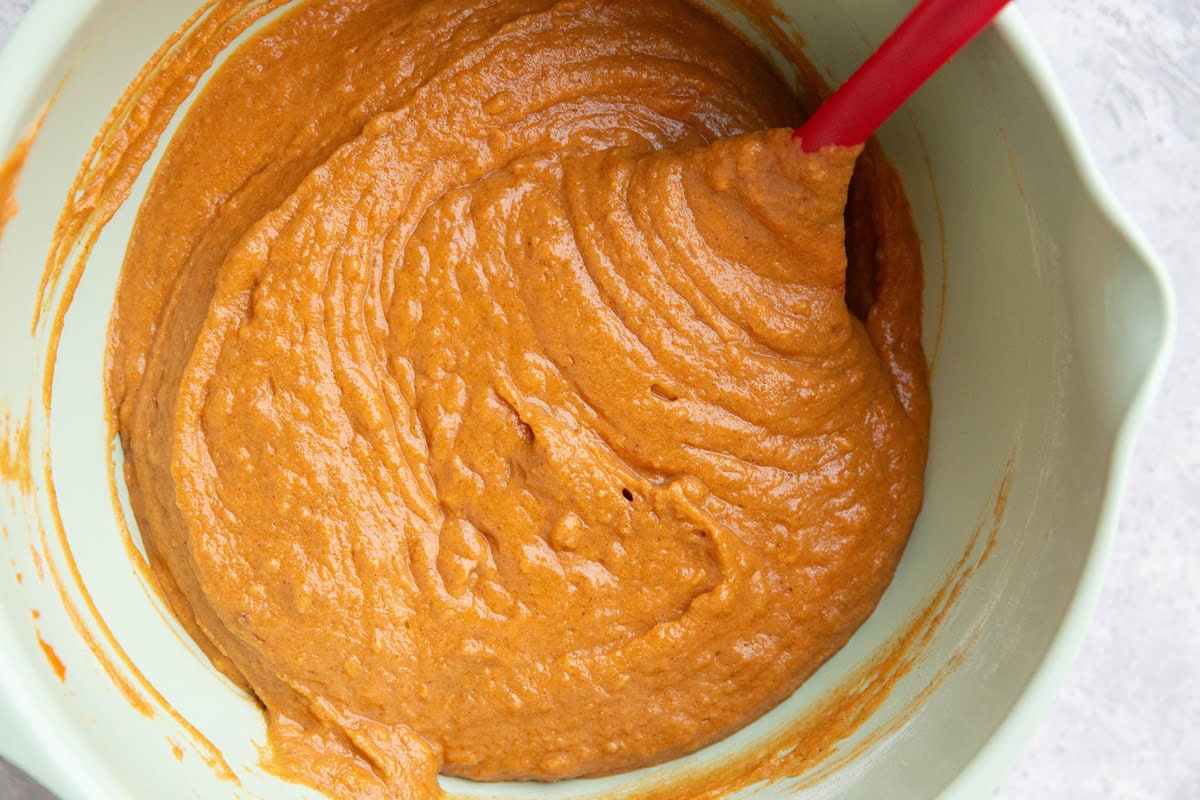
x=933, y=32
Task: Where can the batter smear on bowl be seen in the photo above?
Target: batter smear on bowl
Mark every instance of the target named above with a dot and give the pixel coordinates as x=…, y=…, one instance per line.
x=492, y=397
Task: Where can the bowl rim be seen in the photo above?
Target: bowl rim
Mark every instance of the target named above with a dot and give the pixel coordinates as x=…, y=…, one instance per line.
x=36, y=744
x=984, y=771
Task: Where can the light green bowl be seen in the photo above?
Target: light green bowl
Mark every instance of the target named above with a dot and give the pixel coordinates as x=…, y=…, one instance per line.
x=1047, y=325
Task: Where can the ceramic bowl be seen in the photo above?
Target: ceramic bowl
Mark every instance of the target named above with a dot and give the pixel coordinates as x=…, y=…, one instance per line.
x=1046, y=325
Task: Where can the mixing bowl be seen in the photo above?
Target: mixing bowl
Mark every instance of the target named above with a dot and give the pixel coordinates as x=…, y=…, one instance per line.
x=1046, y=326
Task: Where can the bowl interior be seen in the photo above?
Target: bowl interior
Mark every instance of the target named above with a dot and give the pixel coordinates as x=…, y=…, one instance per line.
x=1044, y=320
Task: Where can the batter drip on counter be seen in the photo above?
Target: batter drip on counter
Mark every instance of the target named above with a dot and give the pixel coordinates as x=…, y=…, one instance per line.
x=491, y=399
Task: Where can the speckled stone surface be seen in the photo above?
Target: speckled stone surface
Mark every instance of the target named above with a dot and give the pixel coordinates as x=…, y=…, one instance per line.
x=1126, y=724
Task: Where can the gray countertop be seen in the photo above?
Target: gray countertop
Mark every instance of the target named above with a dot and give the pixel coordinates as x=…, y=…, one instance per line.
x=1125, y=723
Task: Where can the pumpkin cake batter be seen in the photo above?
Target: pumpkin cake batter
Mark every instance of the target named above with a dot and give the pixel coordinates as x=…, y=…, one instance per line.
x=491, y=393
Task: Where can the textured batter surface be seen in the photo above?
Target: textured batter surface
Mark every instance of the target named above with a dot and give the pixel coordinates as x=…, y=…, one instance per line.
x=490, y=395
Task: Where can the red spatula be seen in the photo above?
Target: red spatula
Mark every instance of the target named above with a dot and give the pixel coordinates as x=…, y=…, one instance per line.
x=933, y=32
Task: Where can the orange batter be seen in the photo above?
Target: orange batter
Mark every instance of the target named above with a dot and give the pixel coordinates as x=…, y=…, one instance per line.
x=490, y=396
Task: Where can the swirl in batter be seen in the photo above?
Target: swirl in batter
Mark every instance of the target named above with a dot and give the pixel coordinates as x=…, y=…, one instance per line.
x=490, y=394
